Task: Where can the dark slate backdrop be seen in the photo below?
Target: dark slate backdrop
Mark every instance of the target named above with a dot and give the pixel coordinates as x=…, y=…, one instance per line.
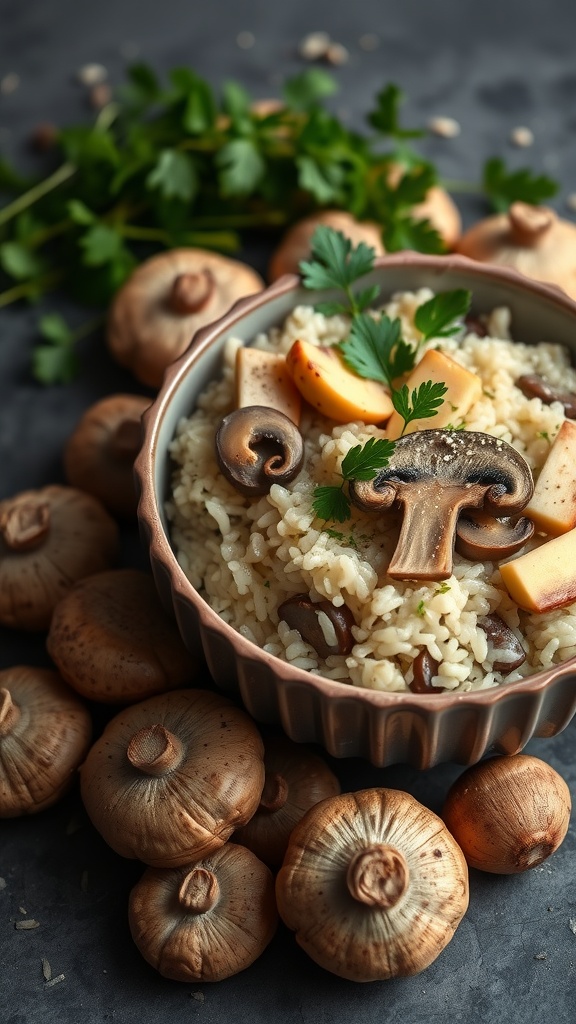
x=491, y=65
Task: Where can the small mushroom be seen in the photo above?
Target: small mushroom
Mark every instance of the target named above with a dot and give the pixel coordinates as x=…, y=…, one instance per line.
x=256, y=447
x=49, y=538
x=169, y=297
x=373, y=884
x=112, y=641
x=481, y=537
x=532, y=239
x=295, y=245
x=326, y=628
x=295, y=780
x=44, y=734
x=172, y=777
x=424, y=668
x=99, y=456
x=204, y=921
x=532, y=385
x=503, y=645
x=432, y=476
x=437, y=207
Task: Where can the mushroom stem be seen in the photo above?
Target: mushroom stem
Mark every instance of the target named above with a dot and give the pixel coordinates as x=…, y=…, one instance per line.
x=191, y=292
x=199, y=891
x=528, y=223
x=275, y=792
x=9, y=712
x=425, y=546
x=24, y=526
x=125, y=441
x=378, y=876
x=155, y=751
x=536, y=848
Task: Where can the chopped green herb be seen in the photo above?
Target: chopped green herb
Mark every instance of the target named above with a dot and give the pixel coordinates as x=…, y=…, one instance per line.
x=442, y=315
x=505, y=187
x=423, y=403
x=421, y=609
x=360, y=463
x=457, y=426
x=544, y=435
x=336, y=263
x=376, y=350
x=342, y=537
x=443, y=588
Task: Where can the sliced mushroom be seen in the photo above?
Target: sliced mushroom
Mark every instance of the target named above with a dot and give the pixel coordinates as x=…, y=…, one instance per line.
x=166, y=300
x=424, y=668
x=257, y=447
x=327, y=629
x=532, y=385
x=432, y=477
x=500, y=637
x=482, y=537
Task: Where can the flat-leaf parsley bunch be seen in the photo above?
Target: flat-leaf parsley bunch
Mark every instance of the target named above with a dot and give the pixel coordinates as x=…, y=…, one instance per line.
x=375, y=350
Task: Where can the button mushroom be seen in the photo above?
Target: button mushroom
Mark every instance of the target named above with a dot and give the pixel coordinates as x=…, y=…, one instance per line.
x=172, y=777
x=373, y=884
x=204, y=921
x=112, y=641
x=326, y=628
x=532, y=239
x=431, y=477
x=99, y=456
x=482, y=537
x=532, y=385
x=49, y=539
x=44, y=734
x=295, y=245
x=256, y=447
x=424, y=668
x=504, y=648
x=166, y=300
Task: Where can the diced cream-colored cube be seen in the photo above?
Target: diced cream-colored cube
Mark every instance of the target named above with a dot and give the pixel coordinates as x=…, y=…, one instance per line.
x=545, y=578
x=552, y=507
x=464, y=388
x=262, y=378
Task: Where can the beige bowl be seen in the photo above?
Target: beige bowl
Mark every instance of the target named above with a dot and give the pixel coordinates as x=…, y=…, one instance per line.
x=386, y=728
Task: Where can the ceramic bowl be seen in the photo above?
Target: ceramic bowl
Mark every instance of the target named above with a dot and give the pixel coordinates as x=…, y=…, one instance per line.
x=386, y=728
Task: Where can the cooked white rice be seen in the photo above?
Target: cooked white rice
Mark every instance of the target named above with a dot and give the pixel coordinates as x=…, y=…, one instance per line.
x=246, y=556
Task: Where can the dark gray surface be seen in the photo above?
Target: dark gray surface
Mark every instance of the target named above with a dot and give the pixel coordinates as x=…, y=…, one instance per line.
x=492, y=65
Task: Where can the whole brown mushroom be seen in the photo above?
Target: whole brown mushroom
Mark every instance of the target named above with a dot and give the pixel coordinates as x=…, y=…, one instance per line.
x=172, y=777
x=112, y=641
x=531, y=239
x=44, y=734
x=295, y=245
x=204, y=921
x=169, y=297
x=437, y=207
x=99, y=456
x=49, y=539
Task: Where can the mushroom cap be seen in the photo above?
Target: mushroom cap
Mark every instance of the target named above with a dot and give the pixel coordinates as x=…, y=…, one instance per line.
x=374, y=928
x=112, y=641
x=204, y=921
x=99, y=456
x=45, y=732
x=149, y=326
x=172, y=777
x=49, y=539
x=295, y=245
x=257, y=446
x=481, y=537
x=532, y=239
x=437, y=207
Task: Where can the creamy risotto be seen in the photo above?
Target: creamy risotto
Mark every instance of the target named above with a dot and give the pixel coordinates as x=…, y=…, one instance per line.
x=248, y=556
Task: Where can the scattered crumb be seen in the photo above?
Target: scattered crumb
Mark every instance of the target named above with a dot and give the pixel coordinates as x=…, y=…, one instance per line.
x=369, y=41
x=2, y=883
x=314, y=46
x=337, y=54
x=22, y=911
x=571, y=201
x=540, y=956
x=26, y=925
x=550, y=908
x=46, y=970
x=445, y=127
x=245, y=40
x=55, y=981
x=572, y=925
x=92, y=74
x=198, y=996
x=104, y=971
x=521, y=136
x=9, y=83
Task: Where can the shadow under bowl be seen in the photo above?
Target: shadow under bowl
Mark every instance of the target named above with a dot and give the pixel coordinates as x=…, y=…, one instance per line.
x=349, y=721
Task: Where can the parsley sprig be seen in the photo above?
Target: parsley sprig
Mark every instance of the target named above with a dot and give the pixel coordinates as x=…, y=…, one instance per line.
x=362, y=462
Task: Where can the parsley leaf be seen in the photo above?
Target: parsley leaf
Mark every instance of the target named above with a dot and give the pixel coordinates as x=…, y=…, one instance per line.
x=330, y=503
x=423, y=403
x=56, y=362
x=241, y=167
x=360, y=463
x=174, y=175
x=505, y=187
x=336, y=263
x=441, y=316
x=376, y=350
x=20, y=262
x=385, y=119
x=305, y=90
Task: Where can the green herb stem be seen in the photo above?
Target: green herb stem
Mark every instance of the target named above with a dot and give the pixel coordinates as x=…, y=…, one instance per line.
x=62, y=174
x=224, y=240
x=30, y=288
